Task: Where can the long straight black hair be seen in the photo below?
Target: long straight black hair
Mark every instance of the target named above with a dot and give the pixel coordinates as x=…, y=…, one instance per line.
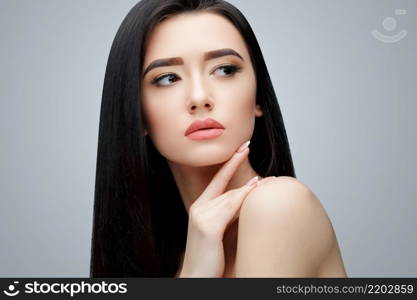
x=140, y=222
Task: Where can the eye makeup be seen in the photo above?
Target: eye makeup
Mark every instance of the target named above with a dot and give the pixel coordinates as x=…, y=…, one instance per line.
x=173, y=61
x=231, y=69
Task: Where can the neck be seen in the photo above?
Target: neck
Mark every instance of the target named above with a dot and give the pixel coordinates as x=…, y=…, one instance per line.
x=192, y=181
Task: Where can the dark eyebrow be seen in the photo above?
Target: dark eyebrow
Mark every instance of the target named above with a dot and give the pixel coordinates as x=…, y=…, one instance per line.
x=173, y=61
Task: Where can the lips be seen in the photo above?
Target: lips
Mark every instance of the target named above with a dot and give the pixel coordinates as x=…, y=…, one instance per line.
x=208, y=123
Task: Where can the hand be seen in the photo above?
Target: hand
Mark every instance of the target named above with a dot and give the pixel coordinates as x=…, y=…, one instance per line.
x=209, y=217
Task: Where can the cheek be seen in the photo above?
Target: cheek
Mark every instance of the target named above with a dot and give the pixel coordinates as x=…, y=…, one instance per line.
x=240, y=97
x=237, y=104
x=159, y=108
x=163, y=114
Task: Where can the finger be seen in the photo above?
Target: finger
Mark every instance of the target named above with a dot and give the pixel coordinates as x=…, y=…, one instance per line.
x=235, y=195
x=229, y=207
x=258, y=183
x=221, y=179
x=245, y=194
x=216, y=201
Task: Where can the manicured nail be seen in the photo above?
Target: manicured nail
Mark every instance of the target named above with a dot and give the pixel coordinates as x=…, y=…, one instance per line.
x=253, y=181
x=244, y=146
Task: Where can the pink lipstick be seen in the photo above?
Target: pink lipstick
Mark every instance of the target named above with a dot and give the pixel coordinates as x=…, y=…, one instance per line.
x=207, y=129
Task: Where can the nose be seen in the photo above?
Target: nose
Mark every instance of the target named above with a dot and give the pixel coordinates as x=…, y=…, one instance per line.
x=199, y=96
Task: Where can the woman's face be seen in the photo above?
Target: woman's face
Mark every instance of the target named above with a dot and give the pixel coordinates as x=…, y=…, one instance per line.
x=196, y=86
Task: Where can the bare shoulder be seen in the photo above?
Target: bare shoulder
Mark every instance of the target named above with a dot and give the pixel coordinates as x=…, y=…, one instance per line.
x=283, y=195
x=284, y=231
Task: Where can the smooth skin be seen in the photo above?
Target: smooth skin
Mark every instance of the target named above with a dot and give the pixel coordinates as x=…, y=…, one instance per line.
x=277, y=228
x=209, y=216
x=284, y=231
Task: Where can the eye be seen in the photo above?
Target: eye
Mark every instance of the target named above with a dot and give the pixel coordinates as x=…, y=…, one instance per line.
x=227, y=70
x=165, y=80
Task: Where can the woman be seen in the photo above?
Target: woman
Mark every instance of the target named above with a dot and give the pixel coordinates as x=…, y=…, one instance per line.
x=186, y=88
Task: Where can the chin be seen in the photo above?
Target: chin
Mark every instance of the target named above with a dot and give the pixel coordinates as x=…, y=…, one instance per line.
x=205, y=160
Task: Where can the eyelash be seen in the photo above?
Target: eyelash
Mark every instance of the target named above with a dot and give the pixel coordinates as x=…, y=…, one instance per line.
x=234, y=69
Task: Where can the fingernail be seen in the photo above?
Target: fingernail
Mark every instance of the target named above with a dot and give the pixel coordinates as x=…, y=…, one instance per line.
x=253, y=181
x=244, y=146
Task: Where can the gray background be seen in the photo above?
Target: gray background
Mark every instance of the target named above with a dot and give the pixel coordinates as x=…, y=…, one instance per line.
x=348, y=102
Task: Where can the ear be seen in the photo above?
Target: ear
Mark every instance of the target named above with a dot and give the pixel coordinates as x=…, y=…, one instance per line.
x=258, y=111
x=145, y=132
